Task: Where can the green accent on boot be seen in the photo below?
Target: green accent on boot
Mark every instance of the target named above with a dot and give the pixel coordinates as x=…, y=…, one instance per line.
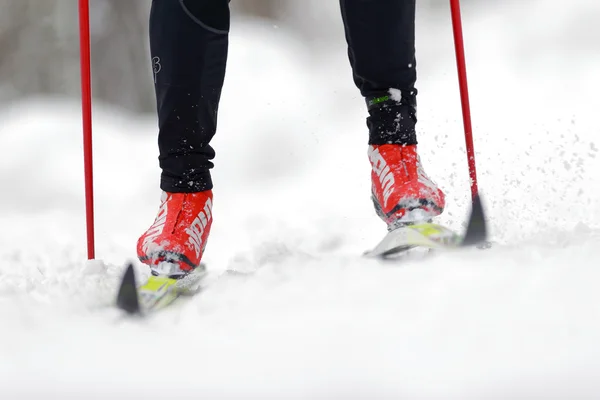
x=377, y=100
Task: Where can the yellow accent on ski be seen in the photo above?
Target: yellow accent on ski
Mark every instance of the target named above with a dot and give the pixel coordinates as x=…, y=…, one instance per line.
x=158, y=292
x=158, y=283
x=427, y=229
x=437, y=233
x=425, y=234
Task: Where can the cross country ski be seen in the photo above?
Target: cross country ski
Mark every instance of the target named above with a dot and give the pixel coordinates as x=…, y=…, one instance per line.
x=433, y=236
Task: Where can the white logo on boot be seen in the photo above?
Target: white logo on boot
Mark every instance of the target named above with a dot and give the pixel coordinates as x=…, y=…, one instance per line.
x=382, y=170
x=157, y=227
x=197, y=228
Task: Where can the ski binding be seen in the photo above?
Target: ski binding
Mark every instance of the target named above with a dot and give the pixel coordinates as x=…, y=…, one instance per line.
x=433, y=236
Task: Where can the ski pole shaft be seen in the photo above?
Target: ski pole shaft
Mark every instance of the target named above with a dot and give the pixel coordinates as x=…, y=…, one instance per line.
x=86, y=104
x=464, y=92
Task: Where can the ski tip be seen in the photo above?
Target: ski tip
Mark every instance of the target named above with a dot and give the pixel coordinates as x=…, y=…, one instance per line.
x=476, y=233
x=127, y=298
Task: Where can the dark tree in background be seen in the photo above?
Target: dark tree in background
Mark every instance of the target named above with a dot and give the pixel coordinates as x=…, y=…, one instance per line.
x=39, y=44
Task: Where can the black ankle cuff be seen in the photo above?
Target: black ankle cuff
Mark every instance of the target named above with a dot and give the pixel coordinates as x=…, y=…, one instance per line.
x=391, y=121
x=199, y=182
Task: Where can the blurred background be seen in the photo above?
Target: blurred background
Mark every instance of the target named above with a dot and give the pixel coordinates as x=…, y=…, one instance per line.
x=39, y=43
x=39, y=39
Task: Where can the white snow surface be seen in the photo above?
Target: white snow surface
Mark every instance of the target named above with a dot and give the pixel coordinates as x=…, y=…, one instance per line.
x=315, y=320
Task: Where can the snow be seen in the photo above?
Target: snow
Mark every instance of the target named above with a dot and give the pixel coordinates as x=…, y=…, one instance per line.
x=315, y=319
x=396, y=94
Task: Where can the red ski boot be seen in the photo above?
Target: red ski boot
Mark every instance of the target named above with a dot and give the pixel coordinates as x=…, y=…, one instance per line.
x=402, y=193
x=178, y=236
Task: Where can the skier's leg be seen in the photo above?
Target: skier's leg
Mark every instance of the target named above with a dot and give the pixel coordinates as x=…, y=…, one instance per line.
x=188, y=44
x=381, y=49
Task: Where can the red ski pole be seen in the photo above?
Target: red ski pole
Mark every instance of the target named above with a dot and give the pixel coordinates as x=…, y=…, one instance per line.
x=86, y=104
x=464, y=92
